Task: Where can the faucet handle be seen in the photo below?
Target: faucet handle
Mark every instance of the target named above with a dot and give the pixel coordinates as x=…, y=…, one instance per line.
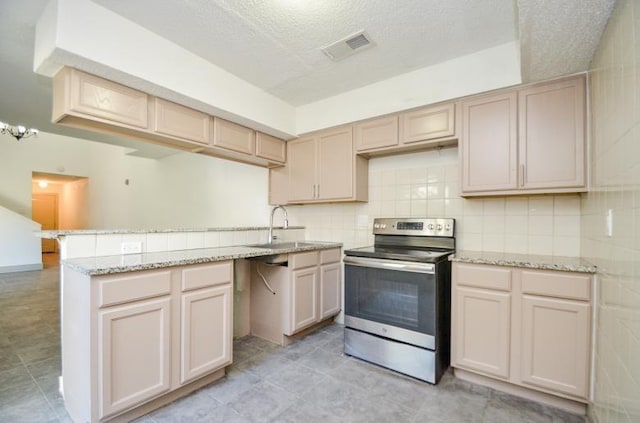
x=285, y=225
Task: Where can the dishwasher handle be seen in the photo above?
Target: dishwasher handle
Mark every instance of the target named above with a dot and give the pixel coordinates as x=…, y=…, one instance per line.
x=401, y=266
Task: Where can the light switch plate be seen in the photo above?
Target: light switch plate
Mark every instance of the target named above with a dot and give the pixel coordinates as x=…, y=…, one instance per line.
x=131, y=248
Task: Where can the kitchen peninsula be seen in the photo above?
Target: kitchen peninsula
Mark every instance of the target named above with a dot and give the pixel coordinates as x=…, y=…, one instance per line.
x=140, y=330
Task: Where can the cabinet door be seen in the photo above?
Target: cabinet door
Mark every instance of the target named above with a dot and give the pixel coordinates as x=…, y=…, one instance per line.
x=329, y=290
x=481, y=330
x=304, y=300
x=555, y=344
x=270, y=148
x=302, y=169
x=488, y=147
x=376, y=133
x=133, y=354
x=427, y=124
x=234, y=137
x=552, y=144
x=182, y=122
x=335, y=164
x=107, y=100
x=279, y=185
x=207, y=333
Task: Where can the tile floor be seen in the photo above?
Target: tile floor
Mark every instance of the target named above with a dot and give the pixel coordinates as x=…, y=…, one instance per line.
x=308, y=381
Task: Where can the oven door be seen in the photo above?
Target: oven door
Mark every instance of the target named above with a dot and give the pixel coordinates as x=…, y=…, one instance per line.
x=391, y=298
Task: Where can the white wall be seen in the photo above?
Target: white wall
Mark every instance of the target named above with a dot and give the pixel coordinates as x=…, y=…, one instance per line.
x=183, y=190
x=20, y=248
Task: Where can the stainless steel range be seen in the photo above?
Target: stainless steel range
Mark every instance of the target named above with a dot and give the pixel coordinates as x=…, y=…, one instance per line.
x=398, y=296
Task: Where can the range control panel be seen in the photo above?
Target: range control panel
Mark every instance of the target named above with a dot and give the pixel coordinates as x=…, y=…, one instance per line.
x=414, y=226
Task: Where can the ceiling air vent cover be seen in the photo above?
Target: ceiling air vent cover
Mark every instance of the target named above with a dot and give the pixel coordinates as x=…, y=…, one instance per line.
x=348, y=46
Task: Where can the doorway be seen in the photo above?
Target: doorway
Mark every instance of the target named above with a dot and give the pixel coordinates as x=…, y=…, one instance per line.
x=58, y=202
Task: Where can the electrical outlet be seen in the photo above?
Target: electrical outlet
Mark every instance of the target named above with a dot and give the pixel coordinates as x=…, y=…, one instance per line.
x=131, y=248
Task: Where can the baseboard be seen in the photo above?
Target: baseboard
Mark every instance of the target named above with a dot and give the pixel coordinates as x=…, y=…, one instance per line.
x=21, y=268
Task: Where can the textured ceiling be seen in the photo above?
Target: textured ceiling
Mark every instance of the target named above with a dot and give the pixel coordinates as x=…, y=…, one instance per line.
x=275, y=44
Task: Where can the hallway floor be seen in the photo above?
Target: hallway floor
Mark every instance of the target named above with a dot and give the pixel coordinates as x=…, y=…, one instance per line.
x=308, y=381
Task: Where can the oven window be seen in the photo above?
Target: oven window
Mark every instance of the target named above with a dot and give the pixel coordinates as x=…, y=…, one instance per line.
x=397, y=298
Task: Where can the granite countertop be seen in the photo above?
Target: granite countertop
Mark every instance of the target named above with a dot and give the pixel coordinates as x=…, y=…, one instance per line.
x=106, y=265
x=567, y=264
x=54, y=234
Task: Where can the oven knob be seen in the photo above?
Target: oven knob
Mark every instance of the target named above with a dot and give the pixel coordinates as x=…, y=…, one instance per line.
x=447, y=227
x=430, y=226
x=376, y=226
x=383, y=226
x=439, y=227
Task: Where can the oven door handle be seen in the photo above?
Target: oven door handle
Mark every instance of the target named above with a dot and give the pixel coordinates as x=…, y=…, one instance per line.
x=401, y=266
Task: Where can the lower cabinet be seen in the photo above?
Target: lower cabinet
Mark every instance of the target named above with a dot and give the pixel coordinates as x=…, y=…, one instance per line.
x=288, y=299
x=132, y=338
x=531, y=328
x=134, y=354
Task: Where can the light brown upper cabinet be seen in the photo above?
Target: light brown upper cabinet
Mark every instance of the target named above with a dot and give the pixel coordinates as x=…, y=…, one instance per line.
x=78, y=94
x=182, y=122
x=234, y=137
x=527, y=141
x=417, y=129
x=271, y=148
x=323, y=167
x=428, y=123
x=90, y=102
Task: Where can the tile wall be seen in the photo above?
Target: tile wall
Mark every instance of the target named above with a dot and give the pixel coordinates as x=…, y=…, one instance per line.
x=615, y=149
x=427, y=184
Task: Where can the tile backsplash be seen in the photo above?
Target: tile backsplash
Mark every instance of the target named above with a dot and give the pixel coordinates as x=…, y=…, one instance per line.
x=427, y=184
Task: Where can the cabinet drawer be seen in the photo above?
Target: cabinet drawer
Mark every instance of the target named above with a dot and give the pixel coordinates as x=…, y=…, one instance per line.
x=194, y=277
x=135, y=286
x=301, y=260
x=557, y=284
x=482, y=276
x=330, y=256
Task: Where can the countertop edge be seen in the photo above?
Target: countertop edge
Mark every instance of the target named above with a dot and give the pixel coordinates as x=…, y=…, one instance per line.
x=54, y=234
x=107, y=265
x=541, y=262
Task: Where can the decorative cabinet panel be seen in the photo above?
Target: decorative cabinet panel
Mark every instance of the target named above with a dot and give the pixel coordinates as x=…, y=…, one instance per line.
x=526, y=141
x=428, y=123
x=489, y=144
x=271, y=148
x=134, y=359
x=552, y=125
x=376, y=133
x=181, y=122
x=304, y=299
x=207, y=331
x=483, y=335
x=330, y=290
x=534, y=332
x=234, y=137
x=324, y=167
x=555, y=340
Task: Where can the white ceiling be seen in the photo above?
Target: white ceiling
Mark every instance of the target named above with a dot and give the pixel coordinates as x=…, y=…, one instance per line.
x=275, y=44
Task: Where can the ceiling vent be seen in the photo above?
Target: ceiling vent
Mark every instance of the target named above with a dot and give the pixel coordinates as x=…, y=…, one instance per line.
x=348, y=46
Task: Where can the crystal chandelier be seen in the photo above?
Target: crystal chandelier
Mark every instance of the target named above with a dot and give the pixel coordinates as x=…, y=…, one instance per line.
x=18, y=131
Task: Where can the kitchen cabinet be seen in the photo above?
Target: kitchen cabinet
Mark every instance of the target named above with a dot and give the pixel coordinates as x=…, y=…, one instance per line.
x=323, y=167
x=134, y=359
x=271, y=148
x=89, y=102
x=417, y=129
x=234, y=137
x=525, y=141
x=181, y=122
x=531, y=328
x=133, y=341
x=286, y=300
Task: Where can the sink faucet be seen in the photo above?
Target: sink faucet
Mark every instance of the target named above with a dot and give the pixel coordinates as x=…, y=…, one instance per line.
x=285, y=224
